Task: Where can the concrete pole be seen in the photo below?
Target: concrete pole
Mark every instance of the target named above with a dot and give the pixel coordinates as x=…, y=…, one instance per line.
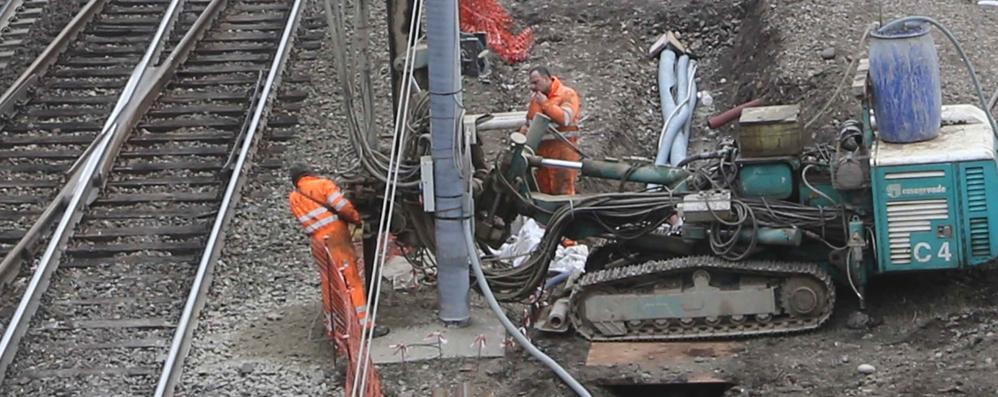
x=449, y=185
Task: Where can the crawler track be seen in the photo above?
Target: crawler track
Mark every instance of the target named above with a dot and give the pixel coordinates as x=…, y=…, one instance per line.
x=116, y=302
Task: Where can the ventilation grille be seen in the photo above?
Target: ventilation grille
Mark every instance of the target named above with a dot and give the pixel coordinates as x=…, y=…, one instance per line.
x=980, y=243
x=907, y=217
x=977, y=201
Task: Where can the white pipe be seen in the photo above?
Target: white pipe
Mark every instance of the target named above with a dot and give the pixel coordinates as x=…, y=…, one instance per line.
x=476, y=267
x=555, y=163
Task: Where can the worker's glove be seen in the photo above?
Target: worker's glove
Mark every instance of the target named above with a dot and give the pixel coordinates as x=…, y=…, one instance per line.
x=358, y=233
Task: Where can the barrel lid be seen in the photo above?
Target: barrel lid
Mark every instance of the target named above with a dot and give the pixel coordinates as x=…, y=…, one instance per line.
x=965, y=136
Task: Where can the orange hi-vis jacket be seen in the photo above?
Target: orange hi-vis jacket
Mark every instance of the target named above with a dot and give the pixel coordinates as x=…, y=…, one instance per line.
x=321, y=208
x=562, y=108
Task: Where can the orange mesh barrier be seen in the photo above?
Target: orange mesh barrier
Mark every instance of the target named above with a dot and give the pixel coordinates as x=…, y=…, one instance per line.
x=342, y=324
x=490, y=17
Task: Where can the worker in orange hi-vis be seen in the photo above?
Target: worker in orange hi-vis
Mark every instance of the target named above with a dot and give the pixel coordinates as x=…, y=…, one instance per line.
x=326, y=215
x=561, y=104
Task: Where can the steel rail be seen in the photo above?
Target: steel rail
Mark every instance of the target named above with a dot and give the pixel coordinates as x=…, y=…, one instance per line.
x=195, y=299
x=136, y=97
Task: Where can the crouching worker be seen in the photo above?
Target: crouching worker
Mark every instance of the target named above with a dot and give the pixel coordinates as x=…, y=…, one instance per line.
x=326, y=215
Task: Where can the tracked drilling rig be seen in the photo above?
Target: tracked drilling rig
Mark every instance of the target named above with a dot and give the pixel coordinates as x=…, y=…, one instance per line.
x=750, y=238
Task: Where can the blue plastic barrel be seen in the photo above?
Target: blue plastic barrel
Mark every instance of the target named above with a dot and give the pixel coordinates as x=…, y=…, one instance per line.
x=904, y=69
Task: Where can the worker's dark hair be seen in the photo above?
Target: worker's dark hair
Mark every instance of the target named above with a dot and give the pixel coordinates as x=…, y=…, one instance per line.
x=543, y=71
x=298, y=170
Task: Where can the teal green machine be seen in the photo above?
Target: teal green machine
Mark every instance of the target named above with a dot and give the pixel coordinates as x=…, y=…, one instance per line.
x=752, y=237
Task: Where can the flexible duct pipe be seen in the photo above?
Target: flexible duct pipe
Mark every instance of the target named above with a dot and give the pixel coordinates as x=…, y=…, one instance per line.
x=674, y=124
x=666, y=80
x=449, y=186
x=476, y=267
x=681, y=144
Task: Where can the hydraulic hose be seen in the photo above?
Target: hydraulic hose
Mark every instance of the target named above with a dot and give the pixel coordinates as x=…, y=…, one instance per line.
x=963, y=56
x=476, y=267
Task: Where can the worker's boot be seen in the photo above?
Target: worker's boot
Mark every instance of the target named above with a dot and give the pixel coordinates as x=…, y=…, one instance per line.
x=380, y=330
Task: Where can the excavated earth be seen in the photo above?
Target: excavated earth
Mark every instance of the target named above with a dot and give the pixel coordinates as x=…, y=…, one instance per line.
x=259, y=334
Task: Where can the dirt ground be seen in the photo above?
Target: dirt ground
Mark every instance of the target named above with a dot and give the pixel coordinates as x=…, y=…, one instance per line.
x=937, y=335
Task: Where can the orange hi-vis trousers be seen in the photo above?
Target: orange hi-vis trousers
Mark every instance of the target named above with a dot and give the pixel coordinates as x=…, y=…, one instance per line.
x=560, y=181
x=338, y=248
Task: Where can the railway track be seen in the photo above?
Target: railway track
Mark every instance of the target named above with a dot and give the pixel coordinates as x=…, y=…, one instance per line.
x=45, y=132
x=16, y=20
x=118, y=310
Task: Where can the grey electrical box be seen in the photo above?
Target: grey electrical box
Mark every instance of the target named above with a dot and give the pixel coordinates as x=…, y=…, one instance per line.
x=706, y=206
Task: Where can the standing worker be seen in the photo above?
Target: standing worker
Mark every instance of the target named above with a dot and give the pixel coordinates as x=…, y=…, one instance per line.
x=561, y=104
x=326, y=215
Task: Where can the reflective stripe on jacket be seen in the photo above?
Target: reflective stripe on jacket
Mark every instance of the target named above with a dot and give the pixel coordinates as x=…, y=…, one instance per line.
x=562, y=107
x=320, y=206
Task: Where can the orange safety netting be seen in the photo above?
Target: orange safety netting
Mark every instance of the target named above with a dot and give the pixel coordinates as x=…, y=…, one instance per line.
x=490, y=17
x=342, y=324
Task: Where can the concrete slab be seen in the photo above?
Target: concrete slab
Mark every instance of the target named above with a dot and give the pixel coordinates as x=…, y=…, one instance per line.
x=420, y=341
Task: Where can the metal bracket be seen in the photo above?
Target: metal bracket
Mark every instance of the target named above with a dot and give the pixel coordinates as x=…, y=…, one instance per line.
x=426, y=182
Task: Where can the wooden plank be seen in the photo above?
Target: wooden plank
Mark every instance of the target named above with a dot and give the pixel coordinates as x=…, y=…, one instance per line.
x=113, y=301
x=59, y=100
x=251, y=27
x=220, y=69
x=60, y=112
x=242, y=36
x=175, y=230
x=86, y=84
x=40, y=154
x=131, y=260
x=204, y=122
x=7, y=199
x=142, y=323
x=11, y=236
x=83, y=73
x=59, y=139
x=112, y=249
x=183, y=151
x=225, y=58
x=119, y=213
x=71, y=126
x=126, y=21
x=135, y=198
x=282, y=121
x=214, y=81
x=47, y=168
x=35, y=183
x=92, y=50
x=96, y=61
x=255, y=18
x=228, y=110
x=165, y=137
x=18, y=215
x=167, y=181
x=75, y=372
x=241, y=95
x=657, y=353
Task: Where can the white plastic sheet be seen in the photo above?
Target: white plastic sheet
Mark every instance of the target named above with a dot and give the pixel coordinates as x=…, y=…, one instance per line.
x=521, y=244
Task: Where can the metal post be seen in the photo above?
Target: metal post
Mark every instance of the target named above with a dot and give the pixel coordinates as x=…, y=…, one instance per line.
x=449, y=184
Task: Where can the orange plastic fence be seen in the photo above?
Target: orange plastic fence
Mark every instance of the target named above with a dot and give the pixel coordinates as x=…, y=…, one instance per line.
x=490, y=17
x=342, y=324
